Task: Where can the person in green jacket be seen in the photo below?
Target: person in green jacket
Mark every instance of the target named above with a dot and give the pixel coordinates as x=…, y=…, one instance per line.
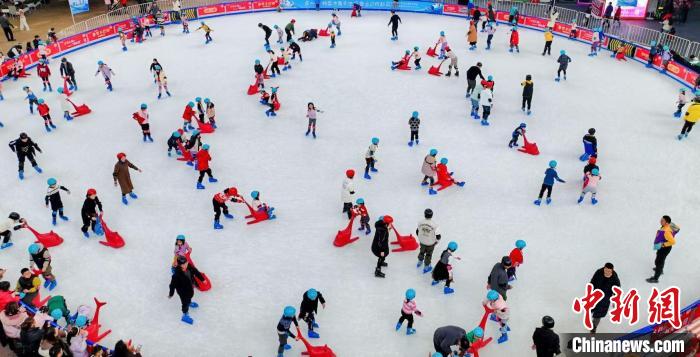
x=289, y=29
x=57, y=308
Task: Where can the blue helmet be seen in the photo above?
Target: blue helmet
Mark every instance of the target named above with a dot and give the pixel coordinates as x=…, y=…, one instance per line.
x=180, y=237
x=40, y=101
x=553, y=163
x=99, y=63
x=205, y=146
x=520, y=244
x=489, y=78
x=492, y=295
x=562, y=52
x=515, y=28
x=595, y=172
x=34, y=248
x=442, y=33
x=360, y=201
x=375, y=141
x=415, y=114
x=56, y=314
x=452, y=246
x=198, y=99
x=59, y=90
x=443, y=161
x=51, y=181
x=206, y=100
x=257, y=61
x=478, y=332
x=176, y=134
x=81, y=320
x=410, y=294
x=275, y=26
x=289, y=311
x=255, y=194
x=312, y=294
x=274, y=89
x=190, y=104
x=144, y=106
x=202, y=22
x=433, y=152
x=523, y=125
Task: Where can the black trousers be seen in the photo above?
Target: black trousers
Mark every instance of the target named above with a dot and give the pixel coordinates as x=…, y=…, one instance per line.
x=310, y=318
x=88, y=222
x=347, y=207
x=487, y=112
x=289, y=34
x=660, y=260
x=185, y=301
x=547, y=48
x=8, y=33
x=218, y=207
x=414, y=135
x=267, y=38
x=202, y=173
x=71, y=79
x=21, y=156
x=406, y=317
x=561, y=69
x=527, y=101
x=370, y=163
x=394, y=31
x=547, y=188
x=380, y=261
x=687, y=127
x=6, y=235
x=274, y=68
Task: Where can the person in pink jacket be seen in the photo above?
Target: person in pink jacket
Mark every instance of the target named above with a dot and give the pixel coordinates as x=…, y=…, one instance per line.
x=501, y=313
x=590, y=184
x=12, y=318
x=407, y=310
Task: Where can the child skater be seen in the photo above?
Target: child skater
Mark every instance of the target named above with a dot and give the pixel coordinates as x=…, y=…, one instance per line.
x=403, y=62
x=43, y=71
x=280, y=34
x=122, y=39
x=453, y=62
x=514, y=39
x=203, y=159
x=296, y=49
x=53, y=197
x=156, y=69
x=548, y=38
x=284, y=331
x=475, y=97
x=490, y=31
x=370, y=157
x=174, y=141
x=563, y=61
x=210, y=112
x=207, y=32
x=272, y=102
x=486, y=101
x=141, y=117
x=31, y=98
x=182, y=249
x=66, y=105
x=335, y=21
x=187, y=116
x=284, y=54
x=309, y=309
x=407, y=310
x=274, y=67
x=260, y=206
x=681, y=102
x=361, y=210
x=494, y=301
x=185, y=23
x=443, y=269
x=200, y=109
x=595, y=43
x=44, y=112
x=520, y=130
x=472, y=35
x=311, y=112
x=259, y=75
x=414, y=125
x=88, y=213
x=40, y=259
x=417, y=57
x=442, y=42
x=516, y=259
x=162, y=80
x=528, y=89
x=219, y=202
x=549, y=176
x=107, y=73
x=332, y=39
x=590, y=184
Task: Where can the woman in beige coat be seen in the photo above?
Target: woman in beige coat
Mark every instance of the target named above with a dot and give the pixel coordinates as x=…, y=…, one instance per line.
x=123, y=178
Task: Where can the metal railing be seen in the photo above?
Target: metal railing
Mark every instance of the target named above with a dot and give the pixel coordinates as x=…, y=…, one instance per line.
x=626, y=32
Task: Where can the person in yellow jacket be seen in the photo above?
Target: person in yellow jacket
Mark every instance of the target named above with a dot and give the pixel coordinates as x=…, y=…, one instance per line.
x=28, y=286
x=548, y=38
x=691, y=117
x=664, y=241
x=207, y=30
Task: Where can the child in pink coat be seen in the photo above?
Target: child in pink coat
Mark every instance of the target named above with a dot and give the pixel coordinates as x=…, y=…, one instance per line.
x=501, y=313
x=407, y=310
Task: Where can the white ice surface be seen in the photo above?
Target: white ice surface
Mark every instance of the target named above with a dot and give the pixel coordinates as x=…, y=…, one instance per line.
x=257, y=270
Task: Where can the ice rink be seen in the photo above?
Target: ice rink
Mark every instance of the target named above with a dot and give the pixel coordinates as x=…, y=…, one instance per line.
x=257, y=270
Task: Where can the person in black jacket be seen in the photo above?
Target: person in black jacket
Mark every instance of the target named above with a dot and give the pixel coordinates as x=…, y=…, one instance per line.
x=53, y=196
x=89, y=211
x=30, y=336
x=268, y=33
x=590, y=137
x=545, y=341
x=380, y=244
x=68, y=73
x=604, y=279
x=295, y=49
x=528, y=90
x=476, y=16
x=472, y=73
x=182, y=283
x=498, y=279
x=394, y=22
x=308, y=309
x=25, y=148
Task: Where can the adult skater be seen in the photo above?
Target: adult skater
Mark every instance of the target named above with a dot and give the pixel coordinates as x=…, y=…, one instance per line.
x=604, y=279
x=472, y=73
x=53, y=197
x=309, y=309
x=549, y=176
x=284, y=329
x=347, y=194
x=40, y=259
x=545, y=341
x=68, y=73
x=691, y=117
x=219, y=202
x=498, y=279
x=563, y=61
x=394, y=21
x=663, y=243
x=289, y=30
x=268, y=33
x=182, y=282
x=429, y=168
x=447, y=336
x=380, y=244
x=13, y=223
x=428, y=233
x=122, y=177
x=25, y=148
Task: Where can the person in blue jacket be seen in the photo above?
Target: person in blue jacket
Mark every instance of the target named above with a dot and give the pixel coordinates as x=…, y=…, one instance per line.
x=549, y=176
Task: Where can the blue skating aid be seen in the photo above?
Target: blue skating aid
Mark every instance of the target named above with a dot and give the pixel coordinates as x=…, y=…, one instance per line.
x=410, y=331
x=38, y=169
x=211, y=179
x=21, y=175
x=187, y=319
x=484, y=123
x=434, y=282
x=398, y=326
x=313, y=334
x=447, y=290
x=432, y=192
x=549, y=200
x=594, y=201
x=580, y=199
x=427, y=269
x=200, y=186
x=194, y=305
x=537, y=202
x=228, y=215
x=368, y=177
x=218, y=225
x=124, y=201
x=503, y=338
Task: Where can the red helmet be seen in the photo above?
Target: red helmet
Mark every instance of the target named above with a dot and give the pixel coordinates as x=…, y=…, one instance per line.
x=350, y=173
x=180, y=131
x=91, y=191
x=592, y=160
x=388, y=219
x=447, y=48
x=232, y=191
x=293, y=21
x=121, y=155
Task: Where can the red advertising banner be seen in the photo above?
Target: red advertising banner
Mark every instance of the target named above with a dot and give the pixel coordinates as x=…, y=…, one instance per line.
x=562, y=29
x=454, y=9
x=238, y=6
x=502, y=16
x=72, y=42
x=265, y=4
x=100, y=33
x=210, y=10
x=533, y=22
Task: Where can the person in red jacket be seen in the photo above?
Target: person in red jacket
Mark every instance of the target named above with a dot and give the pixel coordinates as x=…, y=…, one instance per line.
x=188, y=115
x=361, y=210
x=444, y=178
x=203, y=159
x=219, y=202
x=43, y=71
x=6, y=295
x=141, y=117
x=514, y=40
x=44, y=112
x=516, y=258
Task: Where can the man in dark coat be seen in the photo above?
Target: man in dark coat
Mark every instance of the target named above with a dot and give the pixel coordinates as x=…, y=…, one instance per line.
x=604, y=279
x=182, y=283
x=380, y=244
x=68, y=72
x=545, y=341
x=268, y=33
x=472, y=73
x=25, y=148
x=498, y=279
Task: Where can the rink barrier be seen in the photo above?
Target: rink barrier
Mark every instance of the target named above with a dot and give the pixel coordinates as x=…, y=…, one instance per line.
x=201, y=9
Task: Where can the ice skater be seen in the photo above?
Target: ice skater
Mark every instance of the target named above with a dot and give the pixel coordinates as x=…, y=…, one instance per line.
x=474, y=97
x=289, y=30
x=574, y=30
x=107, y=73
x=453, y=62
x=309, y=308
x=185, y=23
x=595, y=44
x=486, y=101
x=528, y=90
x=13, y=223
x=187, y=117
x=380, y=244
x=590, y=184
x=122, y=39
x=548, y=38
x=156, y=69
x=335, y=21
x=122, y=177
x=361, y=210
x=210, y=112
x=207, y=32
x=429, y=235
x=520, y=130
x=490, y=31
x=590, y=145
x=268, y=33
x=219, y=203
x=332, y=38
x=31, y=98
x=442, y=42
x=514, y=40
x=563, y=61
x=394, y=21
x=347, y=192
x=68, y=73
x=403, y=62
x=162, y=80
x=44, y=112
x=273, y=64
x=429, y=168
x=40, y=259
x=416, y=58
x=182, y=282
x=25, y=148
x=501, y=313
x=89, y=212
x=53, y=197
x=691, y=117
x=516, y=259
x=203, y=159
x=408, y=308
x=311, y=114
x=280, y=34
x=549, y=176
x=142, y=117
x=472, y=35
x=43, y=71
x=443, y=269
x=414, y=125
x=296, y=49
x=284, y=329
x=370, y=158
x=260, y=206
x=273, y=102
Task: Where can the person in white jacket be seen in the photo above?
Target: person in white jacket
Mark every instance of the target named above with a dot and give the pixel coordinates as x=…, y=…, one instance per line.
x=553, y=16
x=428, y=235
x=66, y=105
x=348, y=192
x=486, y=101
x=12, y=223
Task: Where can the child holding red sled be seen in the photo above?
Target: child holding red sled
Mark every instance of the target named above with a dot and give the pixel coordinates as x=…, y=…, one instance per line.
x=444, y=178
x=187, y=117
x=141, y=117
x=520, y=130
x=403, y=62
x=361, y=210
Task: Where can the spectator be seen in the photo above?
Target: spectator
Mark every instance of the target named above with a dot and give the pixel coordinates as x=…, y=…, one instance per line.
x=30, y=336
x=667, y=26
x=617, y=16
x=121, y=349
x=14, y=52
x=51, y=36
x=52, y=337
x=11, y=319
x=7, y=27
x=35, y=41
x=604, y=279
x=77, y=339
x=683, y=11
x=23, y=25
x=108, y=5
x=608, y=15
x=588, y=15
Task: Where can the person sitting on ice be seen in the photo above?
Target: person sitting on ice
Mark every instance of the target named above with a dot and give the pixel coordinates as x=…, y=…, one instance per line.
x=264, y=97
x=174, y=141
x=259, y=206
x=403, y=62
x=444, y=177
x=309, y=35
x=520, y=130
x=501, y=313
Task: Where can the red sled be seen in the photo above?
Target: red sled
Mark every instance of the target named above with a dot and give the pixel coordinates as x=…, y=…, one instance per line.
x=48, y=240
x=277, y=105
x=93, y=330
x=529, y=148
x=201, y=285
x=257, y=216
x=252, y=89
x=404, y=67
x=186, y=154
x=405, y=243
x=66, y=91
x=481, y=343
x=205, y=128
x=112, y=238
x=323, y=33
x=435, y=70
x=23, y=73
x=314, y=351
x=38, y=301
x=265, y=75
x=344, y=237
x=80, y=110
x=431, y=51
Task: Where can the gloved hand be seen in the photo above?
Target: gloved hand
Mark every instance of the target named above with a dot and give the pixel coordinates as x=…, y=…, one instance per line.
x=657, y=246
